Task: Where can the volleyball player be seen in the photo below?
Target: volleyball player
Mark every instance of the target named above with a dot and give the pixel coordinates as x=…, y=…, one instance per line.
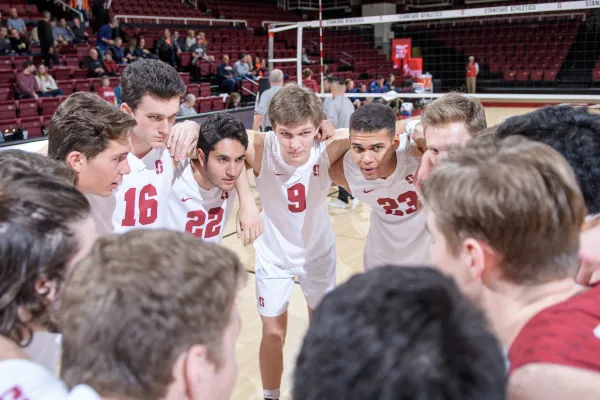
x=203, y=193
x=292, y=177
x=507, y=229
x=379, y=170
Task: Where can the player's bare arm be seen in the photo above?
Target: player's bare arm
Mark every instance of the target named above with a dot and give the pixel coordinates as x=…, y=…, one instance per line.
x=336, y=173
x=338, y=145
x=182, y=140
x=553, y=382
x=248, y=221
x=256, y=142
x=326, y=130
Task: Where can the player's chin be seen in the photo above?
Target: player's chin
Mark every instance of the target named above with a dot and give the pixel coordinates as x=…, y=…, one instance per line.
x=227, y=184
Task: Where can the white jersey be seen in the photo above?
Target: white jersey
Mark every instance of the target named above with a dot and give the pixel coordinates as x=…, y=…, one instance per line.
x=196, y=210
x=141, y=200
x=296, y=223
x=398, y=224
x=26, y=380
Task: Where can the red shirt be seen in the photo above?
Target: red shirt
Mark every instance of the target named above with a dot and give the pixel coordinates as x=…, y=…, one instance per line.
x=567, y=333
x=472, y=70
x=110, y=66
x=311, y=84
x=108, y=94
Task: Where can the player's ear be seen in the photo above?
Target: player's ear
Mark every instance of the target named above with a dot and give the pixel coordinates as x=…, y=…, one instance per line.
x=126, y=109
x=476, y=255
x=75, y=160
x=396, y=141
x=202, y=157
x=198, y=371
x=47, y=289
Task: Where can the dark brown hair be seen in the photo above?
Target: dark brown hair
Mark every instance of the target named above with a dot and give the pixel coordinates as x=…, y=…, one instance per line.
x=86, y=123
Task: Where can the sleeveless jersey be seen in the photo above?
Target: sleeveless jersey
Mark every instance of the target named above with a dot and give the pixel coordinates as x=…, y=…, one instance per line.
x=296, y=223
x=567, y=333
x=141, y=200
x=397, y=233
x=193, y=209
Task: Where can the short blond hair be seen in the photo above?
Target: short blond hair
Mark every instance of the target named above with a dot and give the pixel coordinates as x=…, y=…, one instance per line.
x=518, y=196
x=140, y=300
x=293, y=105
x=455, y=107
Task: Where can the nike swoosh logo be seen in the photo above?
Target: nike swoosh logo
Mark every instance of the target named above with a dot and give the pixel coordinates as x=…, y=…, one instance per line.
x=183, y=199
x=369, y=191
x=279, y=174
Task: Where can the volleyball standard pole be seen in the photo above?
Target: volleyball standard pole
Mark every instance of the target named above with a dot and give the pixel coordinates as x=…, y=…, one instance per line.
x=321, y=44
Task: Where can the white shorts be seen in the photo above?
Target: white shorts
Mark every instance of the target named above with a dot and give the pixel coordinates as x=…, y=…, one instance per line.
x=274, y=284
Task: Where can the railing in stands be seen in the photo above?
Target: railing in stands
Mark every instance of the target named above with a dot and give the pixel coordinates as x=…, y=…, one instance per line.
x=66, y=7
x=265, y=24
x=428, y=3
x=314, y=4
x=157, y=19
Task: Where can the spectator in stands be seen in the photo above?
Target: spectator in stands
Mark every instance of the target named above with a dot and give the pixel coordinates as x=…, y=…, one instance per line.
x=226, y=74
x=359, y=101
x=47, y=82
x=83, y=7
x=187, y=107
x=33, y=36
x=93, y=65
x=242, y=68
x=14, y=22
x=391, y=82
x=305, y=59
x=5, y=44
x=199, y=51
x=110, y=66
x=378, y=85
x=131, y=50
x=62, y=33
x=104, y=40
x=47, y=44
x=166, y=49
x=27, y=85
x=235, y=101
x=105, y=91
x=308, y=81
x=350, y=85
x=338, y=113
x=80, y=36
x=18, y=45
x=142, y=52
x=100, y=11
x=472, y=72
x=261, y=115
x=117, y=51
x=190, y=40
x=259, y=69
x=390, y=333
x=178, y=43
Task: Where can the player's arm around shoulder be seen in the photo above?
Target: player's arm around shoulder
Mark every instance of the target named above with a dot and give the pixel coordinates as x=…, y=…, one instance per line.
x=337, y=175
x=183, y=139
x=338, y=144
x=553, y=382
x=256, y=144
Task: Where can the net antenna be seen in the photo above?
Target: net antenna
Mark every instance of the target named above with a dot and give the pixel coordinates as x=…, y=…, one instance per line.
x=465, y=19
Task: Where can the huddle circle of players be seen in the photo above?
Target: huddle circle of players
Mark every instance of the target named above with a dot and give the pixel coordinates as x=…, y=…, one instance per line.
x=139, y=170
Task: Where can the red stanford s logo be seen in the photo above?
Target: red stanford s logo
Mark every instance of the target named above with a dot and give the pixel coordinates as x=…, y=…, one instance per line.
x=261, y=302
x=316, y=170
x=410, y=178
x=159, y=167
x=224, y=195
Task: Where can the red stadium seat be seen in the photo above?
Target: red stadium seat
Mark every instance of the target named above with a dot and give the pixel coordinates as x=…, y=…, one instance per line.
x=66, y=86
x=185, y=76
x=523, y=75
x=6, y=93
x=82, y=85
x=28, y=108
x=49, y=105
x=549, y=75
x=62, y=73
x=33, y=126
x=537, y=75
x=6, y=63
x=596, y=75
x=194, y=89
x=217, y=103
x=205, y=90
x=509, y=75
x=80, y=74
x=205, y=105
x=8, y=110
x=7, y=76
x=9, y=125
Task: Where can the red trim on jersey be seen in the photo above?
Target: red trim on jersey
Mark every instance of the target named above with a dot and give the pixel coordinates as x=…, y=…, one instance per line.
x=566, y=334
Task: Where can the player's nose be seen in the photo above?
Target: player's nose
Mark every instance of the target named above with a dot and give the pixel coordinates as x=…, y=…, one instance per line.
x=126, y=169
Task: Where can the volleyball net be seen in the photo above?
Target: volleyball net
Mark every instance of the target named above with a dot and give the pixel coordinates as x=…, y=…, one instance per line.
x=531, y=53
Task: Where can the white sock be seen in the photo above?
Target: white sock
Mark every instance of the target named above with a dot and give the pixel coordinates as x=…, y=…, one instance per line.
x=271, y=394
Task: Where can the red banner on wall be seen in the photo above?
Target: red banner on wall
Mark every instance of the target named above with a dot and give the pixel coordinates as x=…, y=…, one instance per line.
x=401, y=51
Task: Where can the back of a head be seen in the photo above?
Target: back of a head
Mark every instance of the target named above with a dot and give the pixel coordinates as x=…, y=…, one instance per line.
x=402, y=334
x=131, y=309
x=38, y=240
x=276, y=76
x=152, y=78
x=307, y=73
x=294, y=105
x=86, y=123
x=574, y=133
x=15, y=164
x=518, y=196
x=372, y=118
x=218, y=127
x=455, y=107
